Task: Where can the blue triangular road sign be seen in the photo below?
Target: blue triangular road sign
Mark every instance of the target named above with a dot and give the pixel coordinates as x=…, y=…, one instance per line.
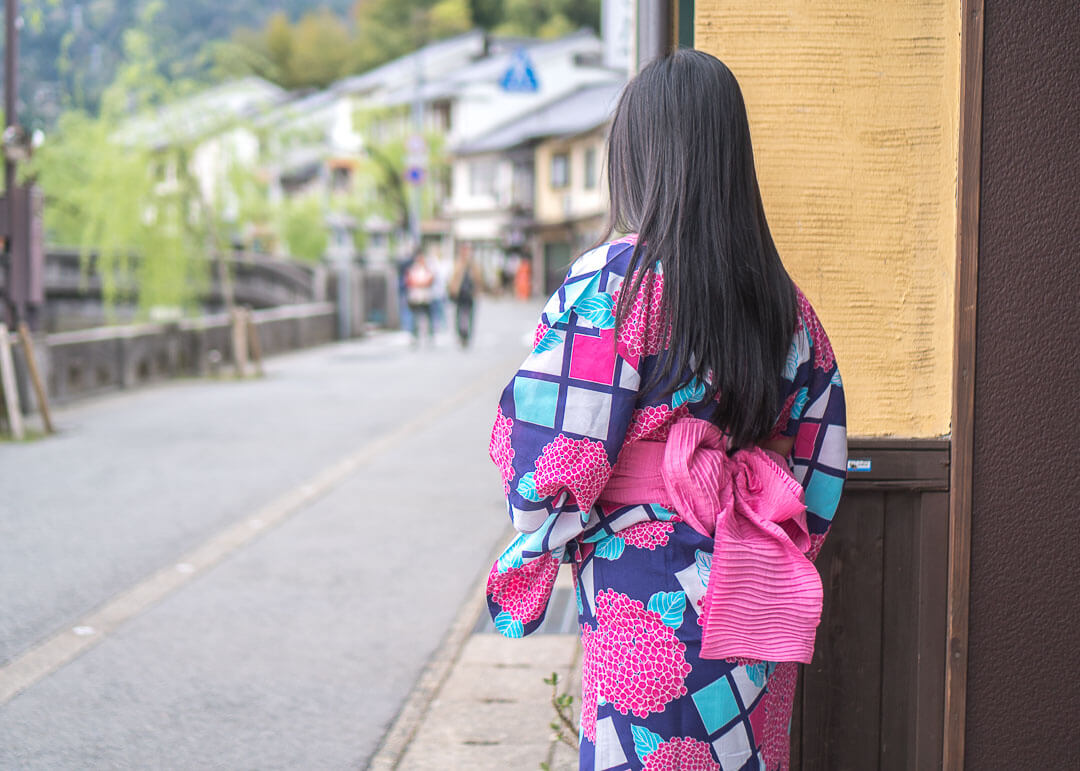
x=520, y=76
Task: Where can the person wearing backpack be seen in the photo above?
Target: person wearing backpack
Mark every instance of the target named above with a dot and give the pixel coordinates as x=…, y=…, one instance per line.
x=465, y=284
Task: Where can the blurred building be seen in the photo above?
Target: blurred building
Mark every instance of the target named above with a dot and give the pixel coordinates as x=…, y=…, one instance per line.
x=535, y=186
x=497, y=182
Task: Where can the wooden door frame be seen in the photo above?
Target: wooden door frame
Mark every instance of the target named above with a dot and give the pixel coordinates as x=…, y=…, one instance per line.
x=963, y=405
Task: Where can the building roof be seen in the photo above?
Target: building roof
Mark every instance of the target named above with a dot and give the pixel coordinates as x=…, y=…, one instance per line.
x=490, y=68
x=433, y=61
x=203, y=113
x=576, y=113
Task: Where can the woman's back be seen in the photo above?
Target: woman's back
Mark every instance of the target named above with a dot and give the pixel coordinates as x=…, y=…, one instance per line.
x=609, y=444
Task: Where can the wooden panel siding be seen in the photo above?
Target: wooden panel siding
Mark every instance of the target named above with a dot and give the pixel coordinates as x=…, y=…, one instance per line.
x=873, y=698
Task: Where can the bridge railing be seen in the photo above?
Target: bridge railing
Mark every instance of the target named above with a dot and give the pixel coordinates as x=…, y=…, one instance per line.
x=93, y=361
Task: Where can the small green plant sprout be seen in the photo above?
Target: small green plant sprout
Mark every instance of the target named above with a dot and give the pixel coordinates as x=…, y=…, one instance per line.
x=563, y=703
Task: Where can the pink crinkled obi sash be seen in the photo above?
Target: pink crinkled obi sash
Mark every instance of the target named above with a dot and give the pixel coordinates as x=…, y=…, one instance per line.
x=764, y=596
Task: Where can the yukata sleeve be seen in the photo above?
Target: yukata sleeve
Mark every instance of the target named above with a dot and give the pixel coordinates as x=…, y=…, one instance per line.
x=560, y=425
x=814, y=414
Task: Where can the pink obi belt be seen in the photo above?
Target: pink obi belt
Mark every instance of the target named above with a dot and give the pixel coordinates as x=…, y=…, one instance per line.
x=763, y=599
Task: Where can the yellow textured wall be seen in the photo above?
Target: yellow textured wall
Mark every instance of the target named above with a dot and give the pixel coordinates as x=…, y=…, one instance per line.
x=854, y=110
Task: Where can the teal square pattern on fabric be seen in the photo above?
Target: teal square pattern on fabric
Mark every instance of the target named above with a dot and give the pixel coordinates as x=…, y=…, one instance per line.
x=535, y=401
x=823, y=493
x=716, y=704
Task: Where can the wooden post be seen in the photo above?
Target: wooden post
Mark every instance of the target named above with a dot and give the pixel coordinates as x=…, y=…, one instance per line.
x=7, y=384
x=239, y=342
x=253, y=341
x=35, y=377
x=961, y=483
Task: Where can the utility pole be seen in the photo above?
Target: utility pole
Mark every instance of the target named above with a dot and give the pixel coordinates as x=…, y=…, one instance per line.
x=11, y=59
x=20, y=215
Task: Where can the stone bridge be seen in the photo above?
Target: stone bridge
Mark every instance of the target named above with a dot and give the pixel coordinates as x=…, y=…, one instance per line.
x=73, y=287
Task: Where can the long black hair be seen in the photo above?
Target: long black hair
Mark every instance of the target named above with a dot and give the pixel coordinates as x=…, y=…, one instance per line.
x=681, y=174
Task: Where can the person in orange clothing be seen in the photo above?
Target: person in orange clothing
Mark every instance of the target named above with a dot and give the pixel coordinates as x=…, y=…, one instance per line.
x=523, y=279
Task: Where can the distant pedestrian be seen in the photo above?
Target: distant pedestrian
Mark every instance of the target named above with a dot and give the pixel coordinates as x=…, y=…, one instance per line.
x=523, y=280
x=419, y=292
x=465, y=284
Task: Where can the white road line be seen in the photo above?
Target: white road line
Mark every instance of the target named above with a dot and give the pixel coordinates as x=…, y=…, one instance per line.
x=46, y=657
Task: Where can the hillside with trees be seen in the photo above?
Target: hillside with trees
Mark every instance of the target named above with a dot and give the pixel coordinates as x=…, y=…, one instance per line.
x=71, y=50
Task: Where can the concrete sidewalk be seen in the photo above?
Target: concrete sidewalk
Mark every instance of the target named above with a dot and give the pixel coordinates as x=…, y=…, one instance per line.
x=482, y=704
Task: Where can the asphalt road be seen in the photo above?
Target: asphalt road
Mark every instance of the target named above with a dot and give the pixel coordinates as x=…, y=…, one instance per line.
x=298, y=647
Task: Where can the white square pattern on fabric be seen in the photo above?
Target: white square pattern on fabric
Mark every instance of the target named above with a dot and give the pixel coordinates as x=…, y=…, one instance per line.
x=733, y=748
x=547, y=362
x=690, y=580
x=834, y=448
x=586, y=579
x=629, y=377
x=587, y=413
x=747, y=690
x=609, y=752
x=817, y=409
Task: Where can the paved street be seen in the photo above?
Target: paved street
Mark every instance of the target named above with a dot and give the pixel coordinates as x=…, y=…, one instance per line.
x=248, y=574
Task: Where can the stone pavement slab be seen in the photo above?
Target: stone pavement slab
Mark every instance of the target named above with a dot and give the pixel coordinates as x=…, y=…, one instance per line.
x=493, y=709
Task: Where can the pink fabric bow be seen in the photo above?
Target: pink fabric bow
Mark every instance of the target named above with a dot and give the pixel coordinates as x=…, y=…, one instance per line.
x=763, y=599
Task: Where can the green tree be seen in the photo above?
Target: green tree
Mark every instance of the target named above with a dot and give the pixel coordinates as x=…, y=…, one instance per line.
x=312, y=53
x=303, y=228
x=547, y=18
x=487, y=14
x=387, y=29
x=320, y=49
x=117, y=198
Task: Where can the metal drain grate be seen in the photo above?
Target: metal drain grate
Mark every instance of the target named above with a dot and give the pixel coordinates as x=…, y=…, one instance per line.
x=562, y=616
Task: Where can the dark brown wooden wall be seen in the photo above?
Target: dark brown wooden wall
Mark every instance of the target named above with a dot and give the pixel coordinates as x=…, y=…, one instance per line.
x=1023, y=697
x=873, y=696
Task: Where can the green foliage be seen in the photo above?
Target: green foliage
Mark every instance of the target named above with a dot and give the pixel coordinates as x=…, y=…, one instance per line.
x=312, y=53
x=547, y=18
x=104, y=198
x=303, y=227
x=118, y=200
x=486, y=13
x=383, y=165
x=70, y=50
x=387, y=29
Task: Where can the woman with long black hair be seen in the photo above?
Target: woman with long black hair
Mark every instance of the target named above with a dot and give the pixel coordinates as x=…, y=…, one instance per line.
x=676, y=435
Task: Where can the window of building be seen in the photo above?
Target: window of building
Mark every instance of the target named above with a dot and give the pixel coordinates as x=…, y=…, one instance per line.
x=590, y=168
x=482, y=177
x=560, y=170
x=341, y=179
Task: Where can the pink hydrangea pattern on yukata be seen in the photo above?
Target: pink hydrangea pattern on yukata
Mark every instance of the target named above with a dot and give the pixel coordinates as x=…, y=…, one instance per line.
x=636, y=662
x=823, y=352
x=654, y=422
x=541, y=330
x=648, y=535
x=785, y=416
x=578, y=465
x=523, y=592
x=778, y=700
x=817, y=540
x=589, y=668
x=643, y=331
x=681, y=753
x=500, y=449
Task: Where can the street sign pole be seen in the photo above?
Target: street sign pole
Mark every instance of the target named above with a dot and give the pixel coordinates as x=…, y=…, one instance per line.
x=418, y=127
